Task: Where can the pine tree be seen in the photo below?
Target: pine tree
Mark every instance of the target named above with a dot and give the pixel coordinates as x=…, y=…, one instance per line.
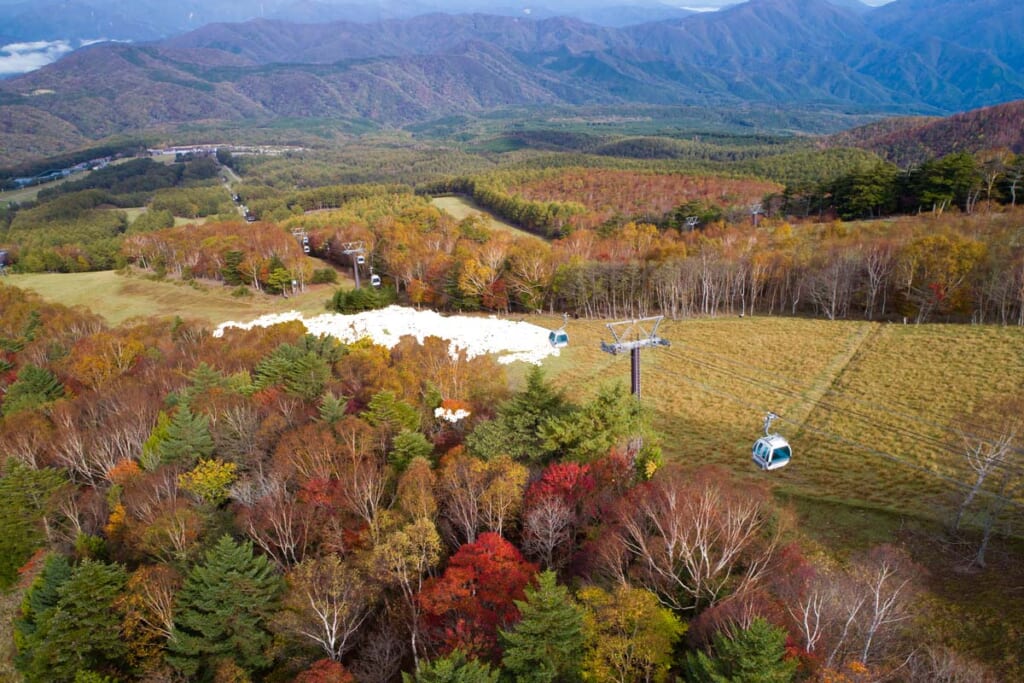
x=333, y=408
x=754, y=655
x=547, y=643
x=453, y=668
x=34, y=387
x=517, y=429
x=25, y=498
x=83, y=630
x=223, y=611
x=37, y=606
x=188, y=438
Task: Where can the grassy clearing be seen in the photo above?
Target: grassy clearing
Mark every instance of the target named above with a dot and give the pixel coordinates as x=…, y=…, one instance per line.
x=868, y=408
x=118, y=297
x=29, y=194
x=461, y=207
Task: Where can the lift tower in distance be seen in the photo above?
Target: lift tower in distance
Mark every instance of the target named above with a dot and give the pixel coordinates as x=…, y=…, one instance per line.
x=357, y=251
x=633, y=335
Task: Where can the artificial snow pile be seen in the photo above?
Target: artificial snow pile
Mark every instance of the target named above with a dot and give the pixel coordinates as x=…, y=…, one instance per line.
x=509, y=340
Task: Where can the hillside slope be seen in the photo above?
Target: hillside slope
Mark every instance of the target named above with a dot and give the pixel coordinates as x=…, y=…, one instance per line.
x=789, y=53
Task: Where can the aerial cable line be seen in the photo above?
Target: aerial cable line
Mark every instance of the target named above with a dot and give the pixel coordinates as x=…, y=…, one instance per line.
x=884, y=412
x=849, y=442
x=924, y=439
x=829, y=407
x=884, y=407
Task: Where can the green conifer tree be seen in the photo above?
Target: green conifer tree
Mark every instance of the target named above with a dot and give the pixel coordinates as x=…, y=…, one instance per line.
x=26, y=495
x=754, y=655
x=517, y=429
x=34, y=387
x=187, y=439
x=83, y=630
x=39, y=601
x=453, y=668
x=547, y=643
x=223, y=612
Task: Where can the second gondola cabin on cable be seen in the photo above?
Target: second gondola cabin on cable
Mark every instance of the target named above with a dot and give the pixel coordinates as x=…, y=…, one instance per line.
x=771, y=451
x=560, y=338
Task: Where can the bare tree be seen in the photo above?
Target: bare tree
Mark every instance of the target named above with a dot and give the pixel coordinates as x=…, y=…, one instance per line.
x=879, y=261
x=548, y=528
x=691, y=540
x=985, y=455
x=273, y=518
x=856, y=614
x=936, y=664
x=327, y=602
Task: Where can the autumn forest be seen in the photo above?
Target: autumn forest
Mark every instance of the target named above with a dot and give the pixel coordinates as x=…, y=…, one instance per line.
x=271, y=505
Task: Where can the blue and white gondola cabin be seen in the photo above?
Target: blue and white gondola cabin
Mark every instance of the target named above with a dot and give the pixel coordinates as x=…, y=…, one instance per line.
x=772, y=452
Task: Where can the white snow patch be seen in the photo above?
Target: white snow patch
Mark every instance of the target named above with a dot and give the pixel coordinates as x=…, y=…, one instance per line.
x=509, y=340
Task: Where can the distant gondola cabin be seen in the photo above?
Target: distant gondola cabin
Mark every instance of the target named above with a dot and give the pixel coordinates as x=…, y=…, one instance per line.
x=559, y=338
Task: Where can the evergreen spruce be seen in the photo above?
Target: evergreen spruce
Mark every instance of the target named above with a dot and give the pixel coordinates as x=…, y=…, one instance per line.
x=546, y=644
x=754, y=655
x=83, y=630
x=453, y=668
x=223, y=612
x=25, y=497
x=517, y=429
x=38, y=604
x=34, y=387
x=187, y=439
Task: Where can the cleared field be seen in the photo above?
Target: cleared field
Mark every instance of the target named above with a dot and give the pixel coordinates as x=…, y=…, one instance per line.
x=29, y=194
x=868, y=408
x=118, y=297
x=461, y=207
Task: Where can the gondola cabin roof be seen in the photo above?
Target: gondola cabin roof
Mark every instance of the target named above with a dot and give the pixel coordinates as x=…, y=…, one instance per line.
x=771, y=452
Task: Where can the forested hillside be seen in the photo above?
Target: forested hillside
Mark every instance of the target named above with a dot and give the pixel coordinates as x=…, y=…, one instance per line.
x=274, y=505
x=794, y=55
x=271, y=505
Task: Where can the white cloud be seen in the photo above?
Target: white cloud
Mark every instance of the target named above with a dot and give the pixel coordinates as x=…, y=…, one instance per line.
x=19, y=58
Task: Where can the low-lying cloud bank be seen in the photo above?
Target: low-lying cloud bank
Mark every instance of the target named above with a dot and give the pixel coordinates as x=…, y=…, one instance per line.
x=20, y=58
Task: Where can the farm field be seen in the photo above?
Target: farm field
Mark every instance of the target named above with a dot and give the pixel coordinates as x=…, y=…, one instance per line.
x=461, y=207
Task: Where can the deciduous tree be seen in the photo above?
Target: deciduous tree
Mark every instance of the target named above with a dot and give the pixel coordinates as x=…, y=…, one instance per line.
x=629, y=635
x=465, y=606
x=326, y=602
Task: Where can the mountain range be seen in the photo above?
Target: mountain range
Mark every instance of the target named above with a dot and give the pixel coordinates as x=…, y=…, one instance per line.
x=909, y=56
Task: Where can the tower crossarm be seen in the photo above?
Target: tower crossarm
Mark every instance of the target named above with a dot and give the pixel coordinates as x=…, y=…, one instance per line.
x=634, y=334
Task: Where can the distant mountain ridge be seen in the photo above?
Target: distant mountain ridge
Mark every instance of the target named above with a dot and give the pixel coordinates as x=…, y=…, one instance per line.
x=401, y=71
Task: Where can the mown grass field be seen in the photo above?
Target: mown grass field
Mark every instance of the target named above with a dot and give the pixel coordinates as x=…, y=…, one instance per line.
x=870, y=409
x=118, y=297
x=461, y=207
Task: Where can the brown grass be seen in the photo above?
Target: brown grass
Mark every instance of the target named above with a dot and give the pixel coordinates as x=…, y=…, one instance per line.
x=461, y=207
x=118, y=297
x=868, y=408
